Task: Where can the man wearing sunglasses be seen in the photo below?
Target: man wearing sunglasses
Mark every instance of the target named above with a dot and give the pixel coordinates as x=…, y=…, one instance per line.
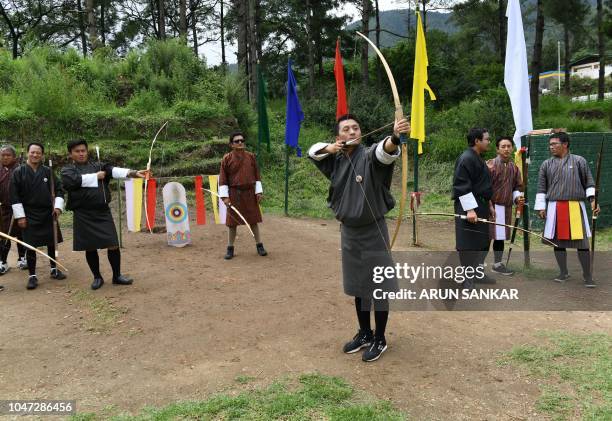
x=240, y=185
x=564, y=183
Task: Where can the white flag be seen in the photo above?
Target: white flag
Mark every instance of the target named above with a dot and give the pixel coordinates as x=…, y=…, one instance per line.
x=516, y=74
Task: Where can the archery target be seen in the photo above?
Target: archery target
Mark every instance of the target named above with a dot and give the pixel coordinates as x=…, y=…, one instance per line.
x=176, y=212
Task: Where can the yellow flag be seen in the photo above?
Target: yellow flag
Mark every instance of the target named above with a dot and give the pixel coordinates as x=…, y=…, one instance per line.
x=419, y=85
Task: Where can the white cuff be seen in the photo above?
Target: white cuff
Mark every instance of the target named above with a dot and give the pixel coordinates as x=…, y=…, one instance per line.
x=59, y=203
x=516, y=194
x=258, y=187
x=540, y=202
x=89, y=180
x=382, y=155
x=120, y=172
x=468, y=202
x=223, y=191
x=312, y=152
x=590, y=192
x=18, y=211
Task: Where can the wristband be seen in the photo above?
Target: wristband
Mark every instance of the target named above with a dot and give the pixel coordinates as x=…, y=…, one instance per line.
x=395, y=140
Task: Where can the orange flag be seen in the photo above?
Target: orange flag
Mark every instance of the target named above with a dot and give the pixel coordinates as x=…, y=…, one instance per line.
x=341, y=107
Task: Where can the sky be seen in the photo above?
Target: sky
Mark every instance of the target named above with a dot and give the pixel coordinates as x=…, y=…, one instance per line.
x=212, y=51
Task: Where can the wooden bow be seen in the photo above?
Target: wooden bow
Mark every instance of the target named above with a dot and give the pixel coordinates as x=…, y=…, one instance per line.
x=146, y=183
x=26, y=245
x=235, y=210
x=399, y=115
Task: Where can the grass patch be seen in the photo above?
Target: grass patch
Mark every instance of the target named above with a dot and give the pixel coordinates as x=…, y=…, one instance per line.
x=101, y=314
x=576, y=374
x=310, y=397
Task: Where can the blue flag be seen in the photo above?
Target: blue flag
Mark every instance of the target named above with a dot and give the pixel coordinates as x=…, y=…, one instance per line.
x=295, y=116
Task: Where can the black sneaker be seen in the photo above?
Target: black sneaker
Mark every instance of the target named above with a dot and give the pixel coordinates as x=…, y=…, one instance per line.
x=97, y=283
x=230, y=253
x=362, y=339
x=502, y=270
x=57, y=274
x=4, y=267
x=485, y=280
x=261, y=250
x=562, y=277
x=375, y=350
x=1, y=287
x=122, y=280
x=32, y=282
x=589, y=283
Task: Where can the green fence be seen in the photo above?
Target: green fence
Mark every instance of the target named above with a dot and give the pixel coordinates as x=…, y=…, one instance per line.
x=583, y=144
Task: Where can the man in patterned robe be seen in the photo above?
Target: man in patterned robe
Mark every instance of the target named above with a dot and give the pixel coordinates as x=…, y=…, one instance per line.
x=505, y=181
x=240, y=186
x=564, y=183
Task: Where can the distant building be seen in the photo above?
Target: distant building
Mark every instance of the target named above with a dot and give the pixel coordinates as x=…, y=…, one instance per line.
x=588, y=67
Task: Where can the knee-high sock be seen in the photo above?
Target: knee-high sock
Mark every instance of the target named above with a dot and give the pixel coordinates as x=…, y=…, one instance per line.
x=584, y=256
x=5, y=247
x=381, y=315
x=231, y=236
x=561, y=256
x=255, y=229
x=51, y=252
x=31, y=257
x=93, y=261
x=498, y=250
x=21, y=250
x=363, y=316
x=114, y=258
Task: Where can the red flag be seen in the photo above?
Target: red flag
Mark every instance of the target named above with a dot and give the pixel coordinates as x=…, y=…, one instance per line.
x=341, y=107
x=151, y=202
x=199, y=197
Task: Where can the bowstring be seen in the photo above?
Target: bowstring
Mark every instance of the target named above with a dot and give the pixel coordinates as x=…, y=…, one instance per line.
x=346, y=154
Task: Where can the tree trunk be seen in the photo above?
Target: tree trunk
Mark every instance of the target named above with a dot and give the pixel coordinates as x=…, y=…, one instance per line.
x=91, y=24
x=365, y=29
x=601, y=43
x=566, y=59
x=378, y=65
x=222, y=27
x=310, y=50
x=536, y=62
x=194, y=28
x=183, y=21
x=162, y=19
x=252, y=41
x=82, y=28
x=242, y=55
x=102, y=23
x=502, y=31
x=13, y=32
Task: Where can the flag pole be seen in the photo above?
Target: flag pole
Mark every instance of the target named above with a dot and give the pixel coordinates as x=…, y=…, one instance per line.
x=415, y=235
x=286, y=180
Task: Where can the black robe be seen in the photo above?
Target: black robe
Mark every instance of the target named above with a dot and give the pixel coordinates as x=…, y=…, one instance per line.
x=32, y=189
x=361, y=207
x=93, y=223
x=472, y=176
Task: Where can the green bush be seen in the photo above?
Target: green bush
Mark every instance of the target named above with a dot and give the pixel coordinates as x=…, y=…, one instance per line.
x=194, y=111
x=147, y=102
x=239, y=107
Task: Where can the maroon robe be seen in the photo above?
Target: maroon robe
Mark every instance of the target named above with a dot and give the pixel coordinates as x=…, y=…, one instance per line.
x=239, y=172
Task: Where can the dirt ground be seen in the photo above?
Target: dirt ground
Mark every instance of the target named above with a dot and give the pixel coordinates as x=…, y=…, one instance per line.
x=192, y=323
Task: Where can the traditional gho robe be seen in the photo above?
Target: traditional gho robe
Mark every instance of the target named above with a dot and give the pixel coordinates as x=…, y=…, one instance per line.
x=471, y=190
x=30, y=193
x=360, y=196
x=505, y=181
x=89, y=199
x=6, y=210
x=239, y=179
x=563, y=186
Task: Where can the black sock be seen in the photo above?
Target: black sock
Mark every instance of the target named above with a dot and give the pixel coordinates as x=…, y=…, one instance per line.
x=31, y=256
x=94, y=262
x=5, y=247
x=381, y=315
x=498, y=250
x=51, y=252
x=114, y=258
x=561, y=256
x=584, y=256
x=363, y=316
x=21, y=250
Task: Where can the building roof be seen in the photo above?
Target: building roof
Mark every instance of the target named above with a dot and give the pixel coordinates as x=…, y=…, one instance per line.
x=589, y=58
